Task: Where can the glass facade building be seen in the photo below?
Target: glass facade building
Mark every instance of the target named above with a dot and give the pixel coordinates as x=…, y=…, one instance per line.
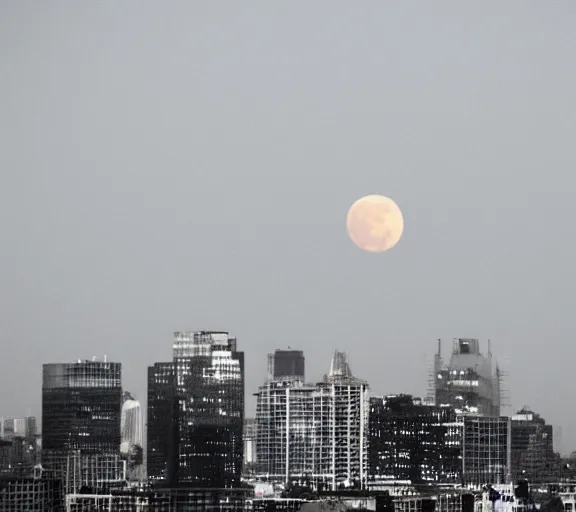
x=196, y=412
x=81, y=404
x=413, y=442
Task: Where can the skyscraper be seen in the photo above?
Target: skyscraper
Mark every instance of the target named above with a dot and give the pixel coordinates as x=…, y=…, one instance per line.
x=341, y=407
x=468, y=383
x=130, y=423
x=202, y=398
x=285, y=430
x=81, y=405
x=161, y=431
x=412, y=441
x=314, y=433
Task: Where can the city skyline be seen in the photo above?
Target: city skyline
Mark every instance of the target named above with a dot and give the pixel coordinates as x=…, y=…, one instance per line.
x=189, y=166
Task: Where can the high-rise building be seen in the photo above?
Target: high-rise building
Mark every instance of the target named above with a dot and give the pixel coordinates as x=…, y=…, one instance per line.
x=203, y=395
x=486, y=450
x=161, y=431
x=130, y=423
x=341, y=435
x=81, y=405
x=533, y=456
x=314, y=434
x=286, y=364
x=468, y=383
x=413, y=442
x=285, y=430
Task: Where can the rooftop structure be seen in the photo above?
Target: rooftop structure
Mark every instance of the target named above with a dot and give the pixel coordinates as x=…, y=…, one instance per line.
x=469, y=382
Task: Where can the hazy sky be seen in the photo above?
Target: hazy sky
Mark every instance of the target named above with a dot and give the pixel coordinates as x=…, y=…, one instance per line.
x=189, y=165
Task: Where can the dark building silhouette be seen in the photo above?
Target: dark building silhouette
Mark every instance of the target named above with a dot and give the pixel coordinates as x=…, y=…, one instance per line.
x=533, y=456
x=286, y=364
x=81, y=405
x=162, y=427
x=31, y=494
x=196, y=413
x=412, y=441
x=486, y=450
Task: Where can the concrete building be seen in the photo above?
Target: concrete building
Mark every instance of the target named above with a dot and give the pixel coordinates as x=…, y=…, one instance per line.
x=469, y=383
x=31, y=494
x=285, y=430
x=196, y=412
x=314, y=434
x=341, y=434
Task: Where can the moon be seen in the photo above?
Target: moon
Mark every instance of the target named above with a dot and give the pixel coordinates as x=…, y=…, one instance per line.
x=375, y=223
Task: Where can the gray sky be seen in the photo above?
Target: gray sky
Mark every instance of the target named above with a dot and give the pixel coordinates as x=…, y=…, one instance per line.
x=189, y=165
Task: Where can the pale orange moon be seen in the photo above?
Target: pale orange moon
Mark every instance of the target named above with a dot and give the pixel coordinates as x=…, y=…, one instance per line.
x=375, y=223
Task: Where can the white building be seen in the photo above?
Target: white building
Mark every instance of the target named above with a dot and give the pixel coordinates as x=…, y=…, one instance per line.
x=130, y=424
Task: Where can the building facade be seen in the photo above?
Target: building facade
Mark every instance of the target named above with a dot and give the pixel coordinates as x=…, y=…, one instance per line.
x=413, y=442
x=486, y=450
x=341, y=407
x=314, y=435
x=130, y=423
x=196, y=412
x=161, y=431
x=469, y=383
x=81, y=404
x=533, y=456
x=286, y=364
x=285, y=430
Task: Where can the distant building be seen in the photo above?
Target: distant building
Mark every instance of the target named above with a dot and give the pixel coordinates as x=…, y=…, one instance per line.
x=196, y=412
x=314, y=434
x=285, y=430
x=162, y=500
x=18, y=427
x=286, y=364
x=130, y=423
x=468, y=383
x=81, y=405
x=161, y=431
x=249, y=441
x=486, y=450
x=533, y=456
x=413, y=442
x=341, y=418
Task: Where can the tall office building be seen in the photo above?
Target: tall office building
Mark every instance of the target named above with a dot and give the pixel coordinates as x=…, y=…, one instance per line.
x=486, y=450
x=341, y=407
x=202, y=394
x=410, y=441
x=81, y=405
x=533, y=456
x=130, y=423
x=314, y=434
x=468, y=383
x=285, y=430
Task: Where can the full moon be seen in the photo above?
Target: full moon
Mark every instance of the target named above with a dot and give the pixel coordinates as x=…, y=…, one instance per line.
x=375, y=223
